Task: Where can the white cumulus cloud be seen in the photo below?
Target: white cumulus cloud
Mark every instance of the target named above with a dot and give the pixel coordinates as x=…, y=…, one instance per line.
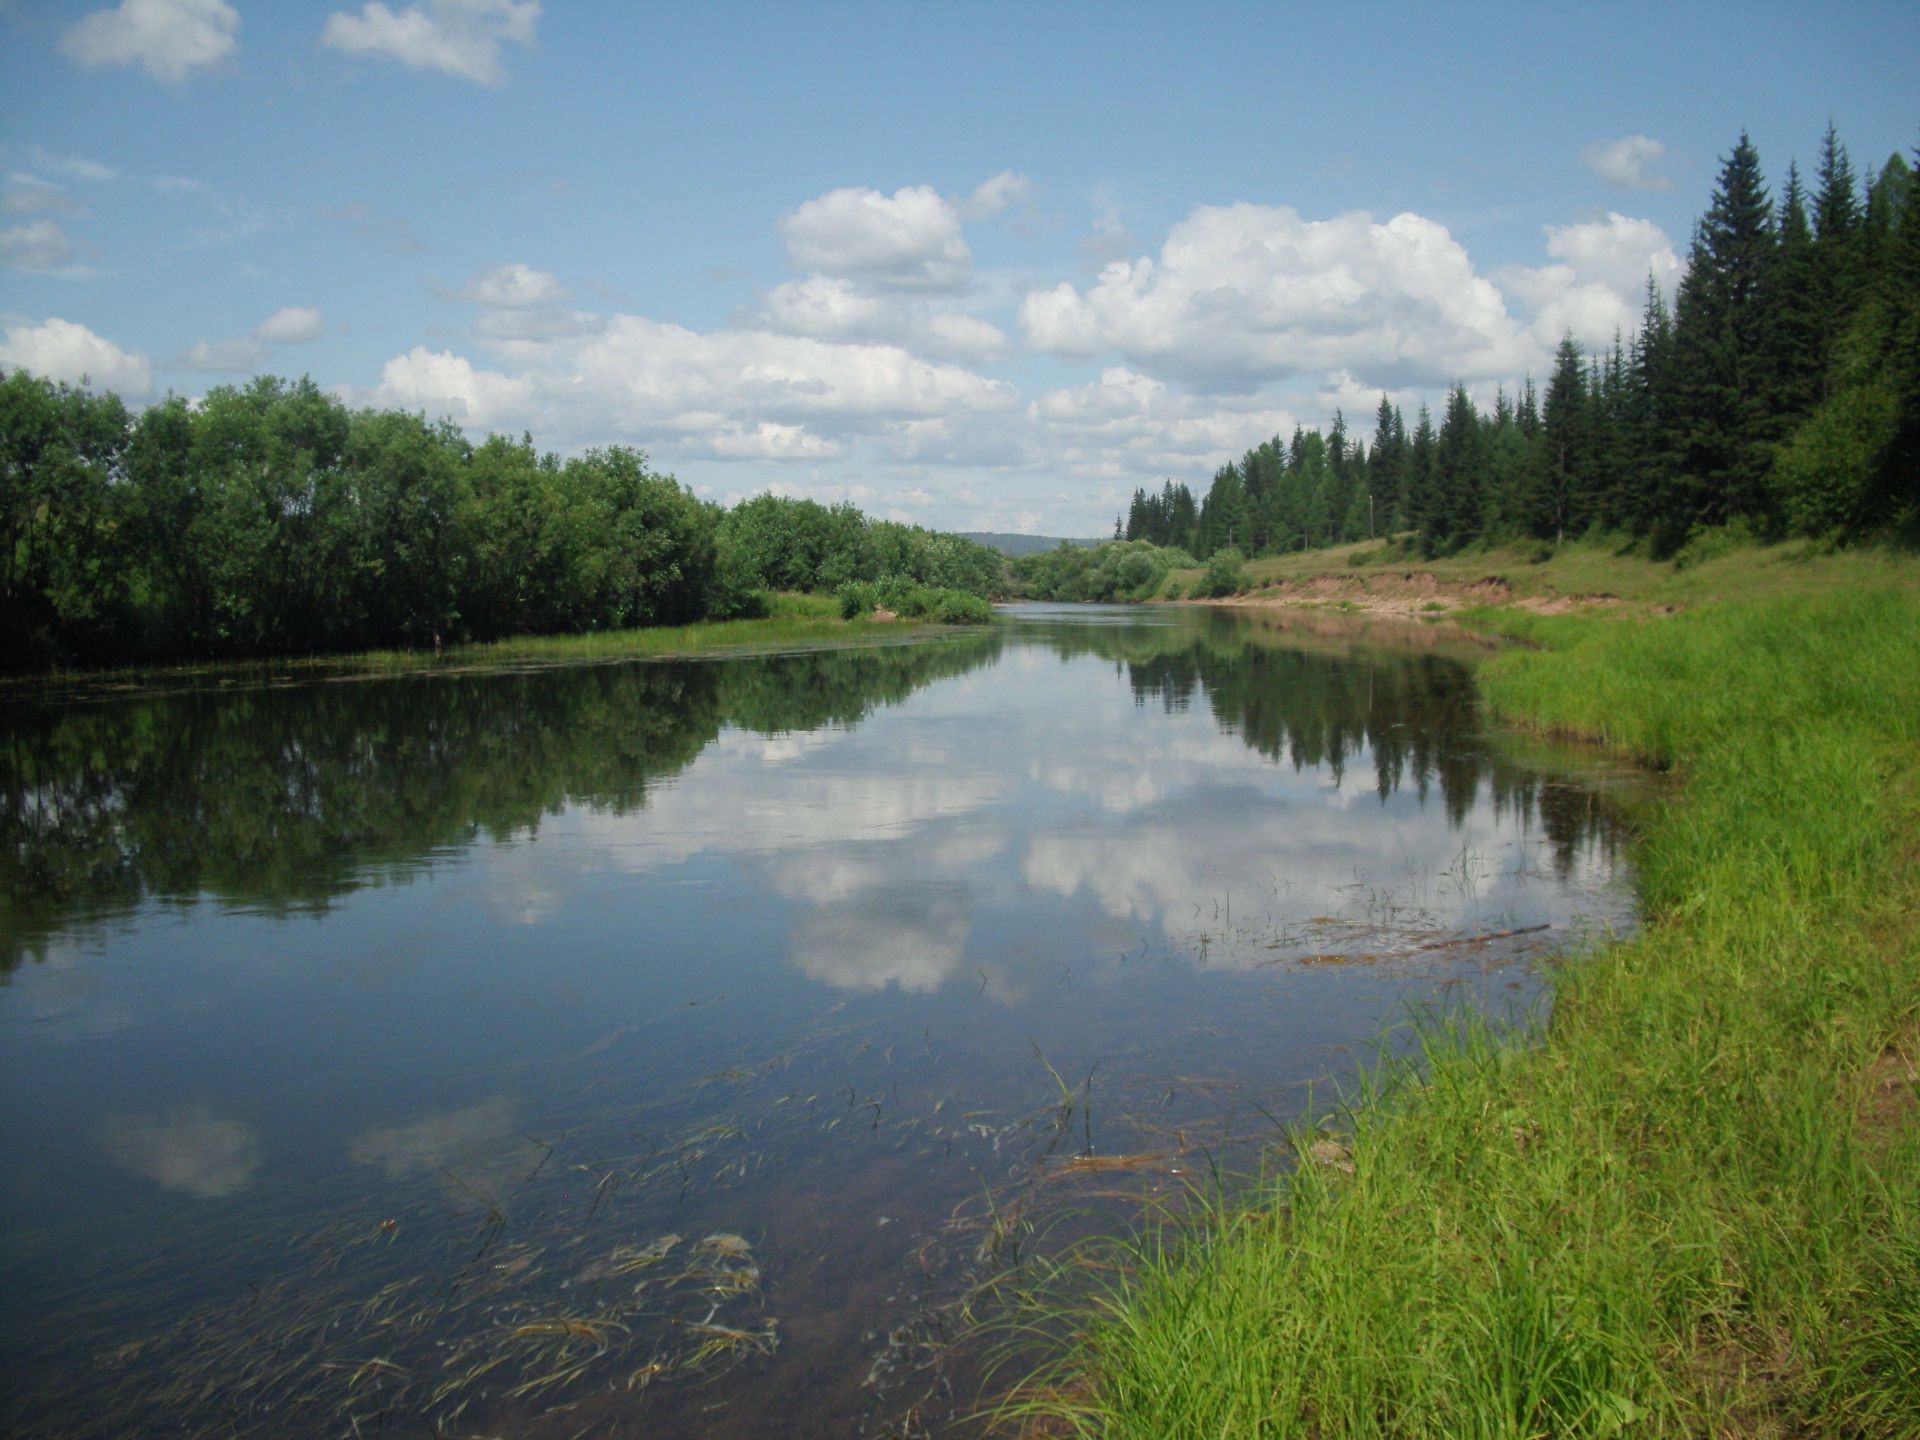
x=291, y=325
x=910, y=239
x=1126, y=425
x=644, y=371
x=515, y=287
x=828, y=307
x=995, y=194
x=772, y=441
x=456, y=37
x=1243, y=295
x=1628, y=162
x=441, y=383
x=1598, y=283
x=169, y=39
x=63, y=350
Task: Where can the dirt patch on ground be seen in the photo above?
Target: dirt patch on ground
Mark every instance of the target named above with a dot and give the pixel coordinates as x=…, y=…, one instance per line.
x=1408, y=592
x=1891, y=1097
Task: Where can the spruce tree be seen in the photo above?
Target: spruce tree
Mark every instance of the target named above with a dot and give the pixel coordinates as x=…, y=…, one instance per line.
x=1555, y=501
x=1460, y=468
x=1383, y=469
x=1797, y=326
x=1420, y=481
x=1722, y=352
x=1836, y=243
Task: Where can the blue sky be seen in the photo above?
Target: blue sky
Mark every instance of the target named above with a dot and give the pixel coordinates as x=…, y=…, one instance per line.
x=975, y=266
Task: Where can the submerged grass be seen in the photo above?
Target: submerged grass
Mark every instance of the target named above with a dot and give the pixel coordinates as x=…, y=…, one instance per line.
x=1690, y=1206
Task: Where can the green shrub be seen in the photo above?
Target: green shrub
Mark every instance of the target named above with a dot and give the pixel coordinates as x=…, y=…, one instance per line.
x=857, y=598
x=957, y=607
x=1226, y=573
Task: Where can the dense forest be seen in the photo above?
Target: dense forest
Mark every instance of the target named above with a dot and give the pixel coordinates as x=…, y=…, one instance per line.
x=1780, y=392
x=270, y=519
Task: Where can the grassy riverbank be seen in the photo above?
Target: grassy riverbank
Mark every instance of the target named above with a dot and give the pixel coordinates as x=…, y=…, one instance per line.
x=1608, y=572
x=793, y=622
x=1690, y=1207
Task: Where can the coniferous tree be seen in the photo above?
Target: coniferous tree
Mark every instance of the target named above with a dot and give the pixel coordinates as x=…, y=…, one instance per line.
x=1460, y=468
x=1385, y=467
x=1836, y=235
x=1555, y=501
x=1654, y=439
x=1420, y=482
x=1797, y=328
x=1508, y=457
x=1722, y=351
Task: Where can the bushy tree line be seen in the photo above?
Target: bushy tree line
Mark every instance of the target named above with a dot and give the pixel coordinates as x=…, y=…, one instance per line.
x=775, y=543
x=1130, y=569
x=270, y=519
x=1781, y=390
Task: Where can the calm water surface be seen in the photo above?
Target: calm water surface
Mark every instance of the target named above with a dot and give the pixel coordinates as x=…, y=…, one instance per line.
x=672, y=1048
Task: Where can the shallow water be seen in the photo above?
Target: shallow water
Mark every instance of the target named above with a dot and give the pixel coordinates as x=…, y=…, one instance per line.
x=677, y=1048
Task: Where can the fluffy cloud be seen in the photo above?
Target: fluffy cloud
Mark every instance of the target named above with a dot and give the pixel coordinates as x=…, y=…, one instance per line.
x=444, y=384
x=515, y=287
x=1598, y=285
x=830, y=308
x=685, y=381
x=455, y=37
x=1619, y=252
x=1125, y=425
x=169, y=39
x=910, y=240
x=290, y=325
x=772, y=441
x=1243, y=295
x=37, y=245
x=1628, y=162
x=995, y=194
x=62, y=350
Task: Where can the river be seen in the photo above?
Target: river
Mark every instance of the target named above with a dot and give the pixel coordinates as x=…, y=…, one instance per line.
x=688, y=1047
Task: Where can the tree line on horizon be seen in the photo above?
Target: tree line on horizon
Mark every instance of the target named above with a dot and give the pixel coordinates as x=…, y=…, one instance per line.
x=1780, y=392
x=268, y=519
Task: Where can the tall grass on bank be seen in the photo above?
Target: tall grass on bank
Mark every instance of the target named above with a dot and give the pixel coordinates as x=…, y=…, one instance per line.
x=1693, y=1206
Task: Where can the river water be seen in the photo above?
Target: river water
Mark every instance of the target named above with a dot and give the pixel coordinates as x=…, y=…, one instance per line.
x=688, y=1048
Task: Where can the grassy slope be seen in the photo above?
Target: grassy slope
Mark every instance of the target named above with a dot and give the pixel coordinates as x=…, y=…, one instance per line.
x=1590, y=568
x=1693, y=1207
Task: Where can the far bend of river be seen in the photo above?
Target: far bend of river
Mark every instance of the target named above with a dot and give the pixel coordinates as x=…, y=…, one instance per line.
x=665, y=1048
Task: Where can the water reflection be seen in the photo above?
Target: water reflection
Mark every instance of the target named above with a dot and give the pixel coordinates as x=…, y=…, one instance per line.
x=476, y=1153
x=606, y=1028
x=189, y=1150
x=286, y=798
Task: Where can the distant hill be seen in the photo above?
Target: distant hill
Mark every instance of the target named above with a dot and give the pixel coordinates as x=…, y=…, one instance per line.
x=1016, y=545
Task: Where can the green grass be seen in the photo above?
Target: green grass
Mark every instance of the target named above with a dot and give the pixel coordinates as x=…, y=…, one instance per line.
x=1689, y=1204
x=794, y=622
